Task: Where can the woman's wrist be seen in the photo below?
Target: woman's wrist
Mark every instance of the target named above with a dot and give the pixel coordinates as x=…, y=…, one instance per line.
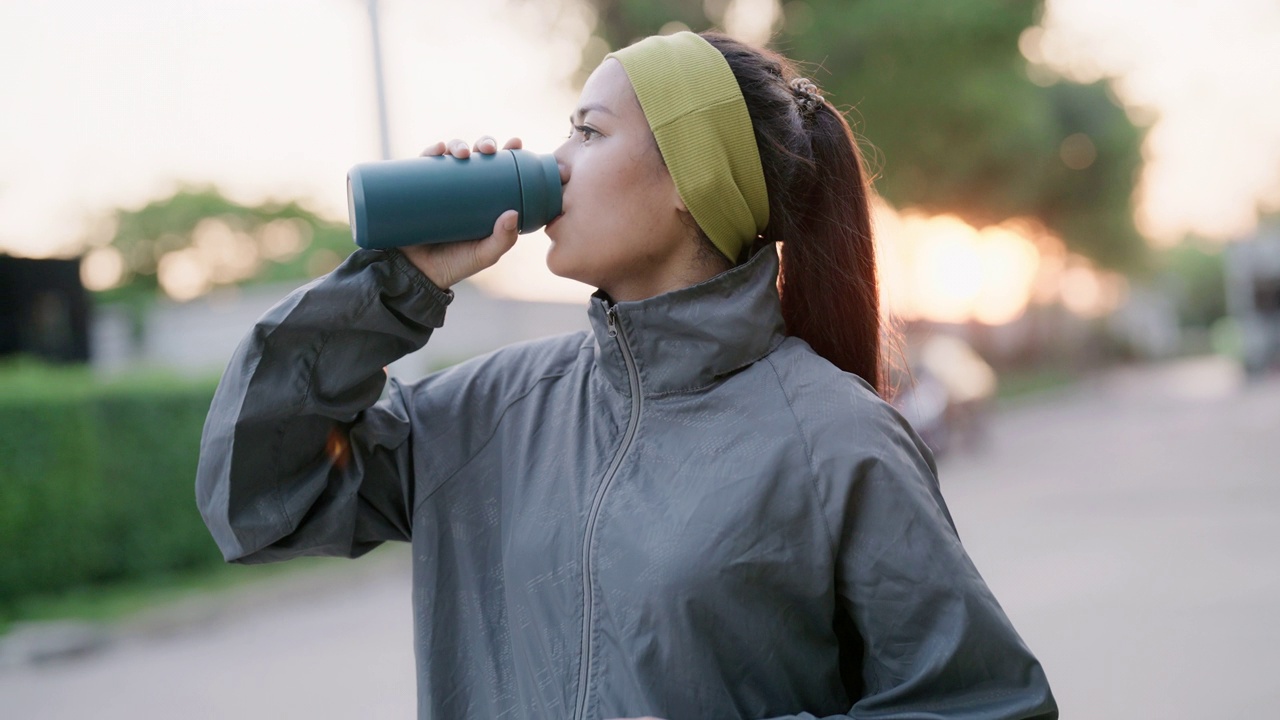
x=430, y=265
x=405, y=263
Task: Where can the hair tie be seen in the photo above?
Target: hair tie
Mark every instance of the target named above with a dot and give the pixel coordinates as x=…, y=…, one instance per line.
x=806, y=95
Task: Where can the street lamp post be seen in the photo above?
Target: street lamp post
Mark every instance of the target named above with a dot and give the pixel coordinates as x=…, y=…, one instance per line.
x=385, y=135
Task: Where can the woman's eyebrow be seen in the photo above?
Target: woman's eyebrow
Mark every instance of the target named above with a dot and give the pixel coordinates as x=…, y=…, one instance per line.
x=582, y=111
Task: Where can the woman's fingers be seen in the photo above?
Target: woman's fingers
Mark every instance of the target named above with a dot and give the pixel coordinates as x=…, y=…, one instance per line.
x=457, y=148
x=442, y=147
x=487, y=144
x=448, y=263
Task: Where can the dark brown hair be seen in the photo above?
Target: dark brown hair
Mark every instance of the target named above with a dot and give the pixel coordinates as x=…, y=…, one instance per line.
x=819, y=213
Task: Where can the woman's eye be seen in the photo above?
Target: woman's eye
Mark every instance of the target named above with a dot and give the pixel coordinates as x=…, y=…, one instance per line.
x=586, y=132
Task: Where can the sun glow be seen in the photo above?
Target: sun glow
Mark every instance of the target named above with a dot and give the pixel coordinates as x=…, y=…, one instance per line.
x=941, y=269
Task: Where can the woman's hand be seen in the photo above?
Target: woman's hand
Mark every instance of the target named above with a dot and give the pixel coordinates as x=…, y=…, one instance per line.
x=447, y=263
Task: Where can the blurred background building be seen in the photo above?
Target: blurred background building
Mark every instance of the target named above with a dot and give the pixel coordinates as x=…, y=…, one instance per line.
x=1253, y=299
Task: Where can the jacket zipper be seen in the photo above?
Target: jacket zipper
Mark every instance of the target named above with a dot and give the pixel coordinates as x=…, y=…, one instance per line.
x=633, y=378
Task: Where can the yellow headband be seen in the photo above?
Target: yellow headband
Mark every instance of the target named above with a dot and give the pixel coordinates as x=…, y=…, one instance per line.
x=699, y=118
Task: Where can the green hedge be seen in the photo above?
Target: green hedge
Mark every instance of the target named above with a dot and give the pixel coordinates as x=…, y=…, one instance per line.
x=97, y=479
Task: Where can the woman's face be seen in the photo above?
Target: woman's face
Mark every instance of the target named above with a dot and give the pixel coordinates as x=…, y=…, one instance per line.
x=621, y=230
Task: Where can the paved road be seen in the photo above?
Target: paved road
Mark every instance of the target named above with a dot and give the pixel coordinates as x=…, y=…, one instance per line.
x=1131, y=529
x=1132, y=532
x=323, y=645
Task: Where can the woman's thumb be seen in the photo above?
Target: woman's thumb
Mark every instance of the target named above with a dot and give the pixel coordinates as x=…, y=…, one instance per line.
x=503, y=239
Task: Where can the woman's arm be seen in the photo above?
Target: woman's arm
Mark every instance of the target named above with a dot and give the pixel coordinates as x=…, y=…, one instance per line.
x=296, y=459
x=934, y=642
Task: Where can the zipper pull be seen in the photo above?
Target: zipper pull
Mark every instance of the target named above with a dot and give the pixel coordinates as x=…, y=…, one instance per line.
x=611, y=315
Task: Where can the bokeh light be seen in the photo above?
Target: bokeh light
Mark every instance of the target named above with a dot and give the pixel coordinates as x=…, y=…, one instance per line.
x=941, y=269
x=102, y=268
x=282, y=240
x=182, y=274
x=227, y=254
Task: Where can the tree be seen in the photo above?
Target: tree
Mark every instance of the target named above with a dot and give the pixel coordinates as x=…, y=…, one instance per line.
x=941, y=93
x=1194, y=271
x=229, y=242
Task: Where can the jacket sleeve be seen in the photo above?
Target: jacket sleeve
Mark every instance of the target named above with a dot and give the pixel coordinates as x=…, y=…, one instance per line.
x=933, y=641
x=296, y=458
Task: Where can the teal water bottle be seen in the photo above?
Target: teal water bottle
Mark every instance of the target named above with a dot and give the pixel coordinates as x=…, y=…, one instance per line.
x=442, y=198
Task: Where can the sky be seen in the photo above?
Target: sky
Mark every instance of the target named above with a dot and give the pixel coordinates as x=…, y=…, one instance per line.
x=1208, y=73
x=113, y=104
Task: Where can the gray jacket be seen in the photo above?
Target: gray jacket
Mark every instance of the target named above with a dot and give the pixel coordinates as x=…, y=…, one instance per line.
x=683, y=513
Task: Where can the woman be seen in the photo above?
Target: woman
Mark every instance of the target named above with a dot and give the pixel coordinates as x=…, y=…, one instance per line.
x=702, y=508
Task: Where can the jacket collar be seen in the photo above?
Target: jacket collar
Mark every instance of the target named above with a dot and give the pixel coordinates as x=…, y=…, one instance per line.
x=686, y=338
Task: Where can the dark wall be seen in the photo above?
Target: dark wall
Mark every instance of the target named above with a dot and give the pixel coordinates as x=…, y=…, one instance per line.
x=44, y=309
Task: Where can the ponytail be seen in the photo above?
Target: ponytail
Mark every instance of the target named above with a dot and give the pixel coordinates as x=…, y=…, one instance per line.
x=829, y=287
x=819, y=213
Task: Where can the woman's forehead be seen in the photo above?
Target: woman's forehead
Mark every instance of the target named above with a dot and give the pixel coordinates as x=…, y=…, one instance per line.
x=608, y=91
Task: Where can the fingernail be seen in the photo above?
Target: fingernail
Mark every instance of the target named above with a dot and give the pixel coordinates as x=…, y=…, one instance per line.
x=510, y=223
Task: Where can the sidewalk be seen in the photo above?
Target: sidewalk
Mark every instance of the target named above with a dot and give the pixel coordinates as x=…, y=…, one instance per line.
x=320, y=644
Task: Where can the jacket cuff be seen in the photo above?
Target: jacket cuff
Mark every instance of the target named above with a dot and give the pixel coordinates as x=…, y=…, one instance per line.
x=416, y=276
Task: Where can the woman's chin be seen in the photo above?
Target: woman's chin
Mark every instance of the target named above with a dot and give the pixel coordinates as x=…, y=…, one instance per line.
x=562, y=264
x=556, y=260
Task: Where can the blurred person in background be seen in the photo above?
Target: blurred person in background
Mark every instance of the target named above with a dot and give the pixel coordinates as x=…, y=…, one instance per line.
x=702, y=507
x=969, y=382
x=922, y=400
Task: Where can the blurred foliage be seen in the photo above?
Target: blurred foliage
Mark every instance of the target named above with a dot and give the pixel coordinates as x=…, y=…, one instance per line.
x=271, y=241
x=97, y=479
x=942, y=92
x=1195, y=273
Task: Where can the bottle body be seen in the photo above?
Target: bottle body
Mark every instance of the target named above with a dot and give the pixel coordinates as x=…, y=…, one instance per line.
x=439, y=199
